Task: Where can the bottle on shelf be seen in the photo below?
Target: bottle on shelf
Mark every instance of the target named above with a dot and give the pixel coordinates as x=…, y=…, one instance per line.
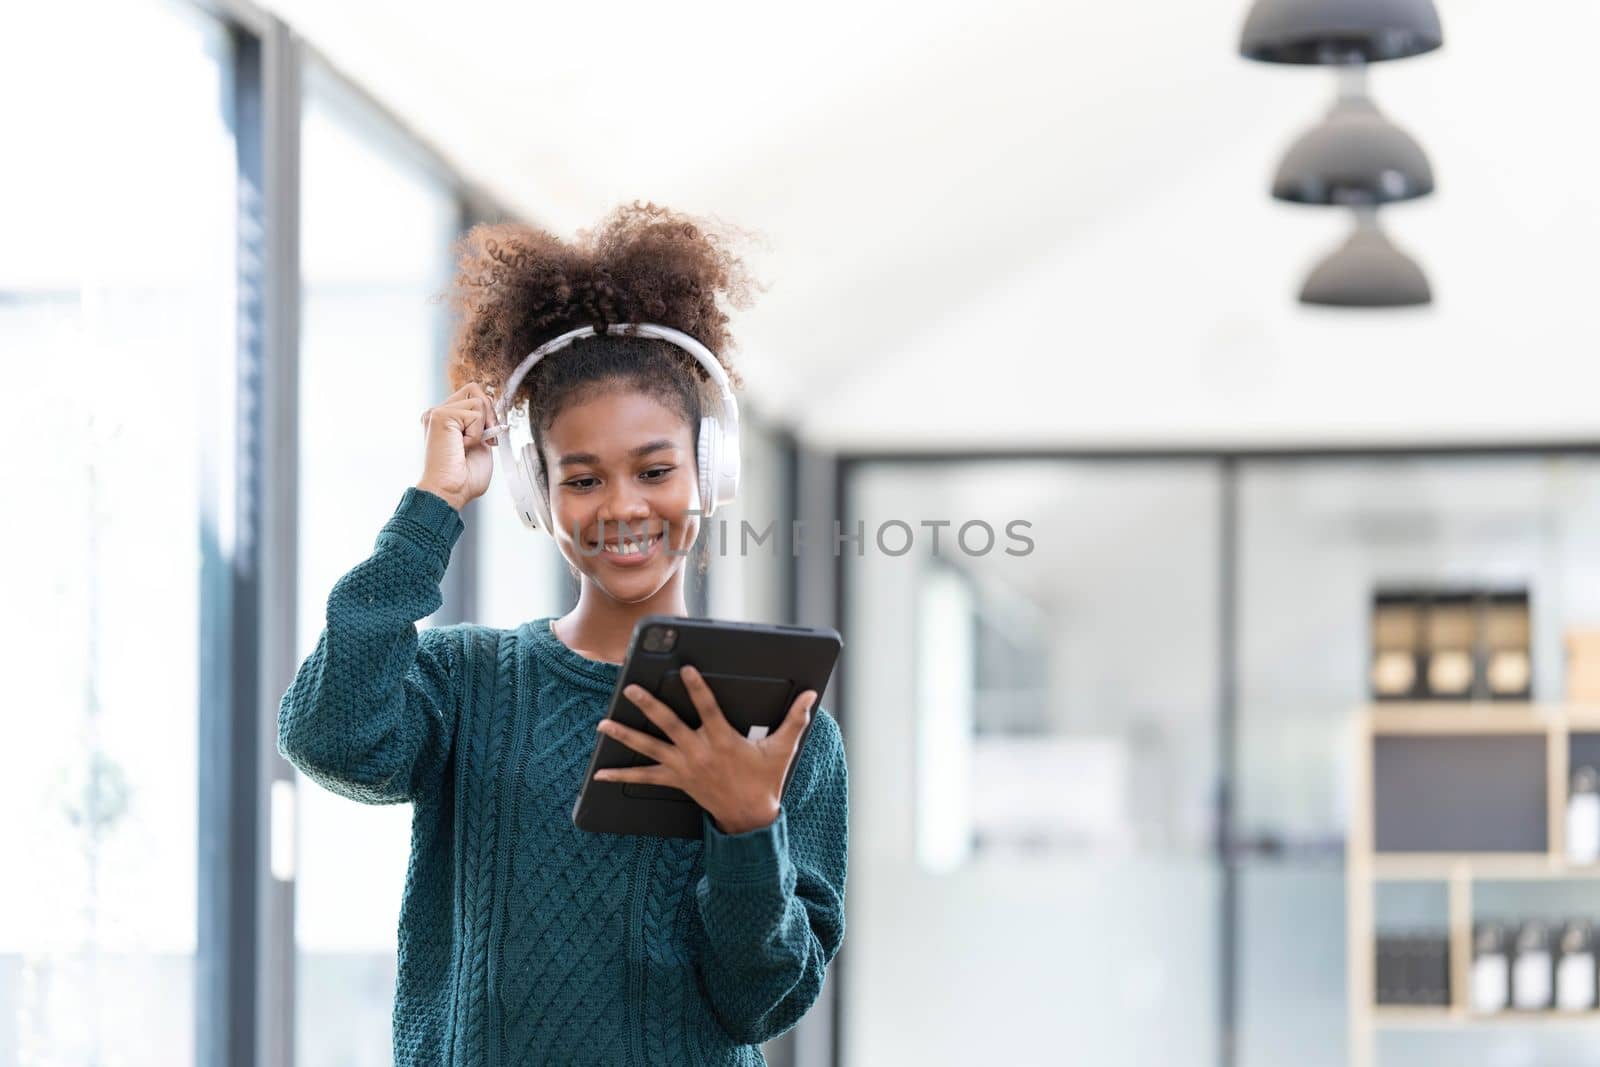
x=1451, y=634
x=1575, y=969
x=1533, y=969
x=1507, y=663
x=1583, y=817
x=1396, y=645
x=1491, y=969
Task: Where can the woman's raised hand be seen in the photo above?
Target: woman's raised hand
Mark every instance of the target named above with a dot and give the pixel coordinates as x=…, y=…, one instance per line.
x=458, y=463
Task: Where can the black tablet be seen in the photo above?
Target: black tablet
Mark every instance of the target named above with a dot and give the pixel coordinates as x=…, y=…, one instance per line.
x=755, y=671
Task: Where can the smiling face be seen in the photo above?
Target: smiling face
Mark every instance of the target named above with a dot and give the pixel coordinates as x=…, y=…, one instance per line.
x=622, y=467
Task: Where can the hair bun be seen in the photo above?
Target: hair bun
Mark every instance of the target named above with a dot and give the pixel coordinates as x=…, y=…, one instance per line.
x=517, y=286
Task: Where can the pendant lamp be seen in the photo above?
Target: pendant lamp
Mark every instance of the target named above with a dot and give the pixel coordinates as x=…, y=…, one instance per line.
x=1355, y=155
x=1339, y=31
x=1367, y=271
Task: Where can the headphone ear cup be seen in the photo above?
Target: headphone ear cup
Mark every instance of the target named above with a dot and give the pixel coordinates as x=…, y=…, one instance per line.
x=516, y=482
x=719, y=470
x=527, y=471
x=727, y=466
x=707, y=457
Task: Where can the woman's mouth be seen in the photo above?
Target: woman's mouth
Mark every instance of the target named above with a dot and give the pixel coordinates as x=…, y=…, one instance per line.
x=629, y=551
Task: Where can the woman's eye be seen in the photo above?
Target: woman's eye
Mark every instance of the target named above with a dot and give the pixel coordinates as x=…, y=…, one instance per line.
x=654, y=475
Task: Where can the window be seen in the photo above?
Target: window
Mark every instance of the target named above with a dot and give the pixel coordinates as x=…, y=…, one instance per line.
x=376, y=225
x=117, y=325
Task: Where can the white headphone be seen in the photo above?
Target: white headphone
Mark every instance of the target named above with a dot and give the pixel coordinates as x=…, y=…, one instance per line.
x=717, y=457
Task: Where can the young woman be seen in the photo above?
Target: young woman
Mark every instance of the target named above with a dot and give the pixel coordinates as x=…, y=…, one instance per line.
x=522, y=939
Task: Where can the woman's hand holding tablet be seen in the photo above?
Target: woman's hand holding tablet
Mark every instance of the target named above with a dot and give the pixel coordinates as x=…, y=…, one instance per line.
x=737, y=779
x=723, y=709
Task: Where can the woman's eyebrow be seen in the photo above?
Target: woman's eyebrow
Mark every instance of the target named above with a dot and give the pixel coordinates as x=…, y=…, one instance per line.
x=572, y=459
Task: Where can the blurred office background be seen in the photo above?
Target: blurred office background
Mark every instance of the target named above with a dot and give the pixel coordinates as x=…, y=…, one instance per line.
x=1023, y=266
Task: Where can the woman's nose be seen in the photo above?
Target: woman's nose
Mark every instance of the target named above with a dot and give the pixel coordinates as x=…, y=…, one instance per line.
x=625, y=504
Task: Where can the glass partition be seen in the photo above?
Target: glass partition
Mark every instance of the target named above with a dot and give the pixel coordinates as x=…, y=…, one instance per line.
x=1031, y=721
x=1316, y=539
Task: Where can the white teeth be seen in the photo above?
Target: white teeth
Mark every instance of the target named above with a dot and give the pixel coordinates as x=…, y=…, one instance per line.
x=633, y=548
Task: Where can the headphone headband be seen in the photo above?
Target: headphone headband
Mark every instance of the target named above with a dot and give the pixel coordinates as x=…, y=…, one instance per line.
x=728, y=415
x=717, y=456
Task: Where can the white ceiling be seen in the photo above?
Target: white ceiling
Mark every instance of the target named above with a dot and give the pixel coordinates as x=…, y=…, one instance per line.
x=1043, y=224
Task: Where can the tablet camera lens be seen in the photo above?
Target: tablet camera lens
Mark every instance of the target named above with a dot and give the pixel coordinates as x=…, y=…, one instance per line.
x=659, y=639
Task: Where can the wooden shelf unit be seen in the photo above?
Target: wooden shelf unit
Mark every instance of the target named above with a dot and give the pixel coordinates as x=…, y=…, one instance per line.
x=1365, y=867
x=1402, y=1017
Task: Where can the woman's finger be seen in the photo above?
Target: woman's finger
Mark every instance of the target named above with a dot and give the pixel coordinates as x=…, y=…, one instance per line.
x=468, y=414
x=705, y=701
x=491, y=429
x=479, y=423
x=659, y=713
x=476, y=412
x=461, y=409
x=637, y=740
x=466, y=392
x=484, y=406
x=657, y=775
x=794, y=723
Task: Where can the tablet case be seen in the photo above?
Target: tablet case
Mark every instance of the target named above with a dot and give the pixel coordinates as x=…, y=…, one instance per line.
x=755, y=671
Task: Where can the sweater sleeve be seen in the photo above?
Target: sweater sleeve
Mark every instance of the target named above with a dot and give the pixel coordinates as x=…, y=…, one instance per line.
x=771, y=901
x=371, y=712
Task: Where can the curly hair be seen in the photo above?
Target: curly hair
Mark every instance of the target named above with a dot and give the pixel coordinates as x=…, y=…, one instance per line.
x=518, y=286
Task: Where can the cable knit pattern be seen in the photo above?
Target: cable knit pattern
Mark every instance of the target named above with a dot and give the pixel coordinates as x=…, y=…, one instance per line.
x=522, y=939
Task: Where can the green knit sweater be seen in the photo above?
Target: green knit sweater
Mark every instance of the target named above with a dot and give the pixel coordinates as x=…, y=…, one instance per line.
x=522, y=939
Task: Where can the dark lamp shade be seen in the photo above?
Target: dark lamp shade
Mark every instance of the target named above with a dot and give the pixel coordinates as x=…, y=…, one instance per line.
x=1367, y=271
x=1354, y=156
x=1339, y=31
